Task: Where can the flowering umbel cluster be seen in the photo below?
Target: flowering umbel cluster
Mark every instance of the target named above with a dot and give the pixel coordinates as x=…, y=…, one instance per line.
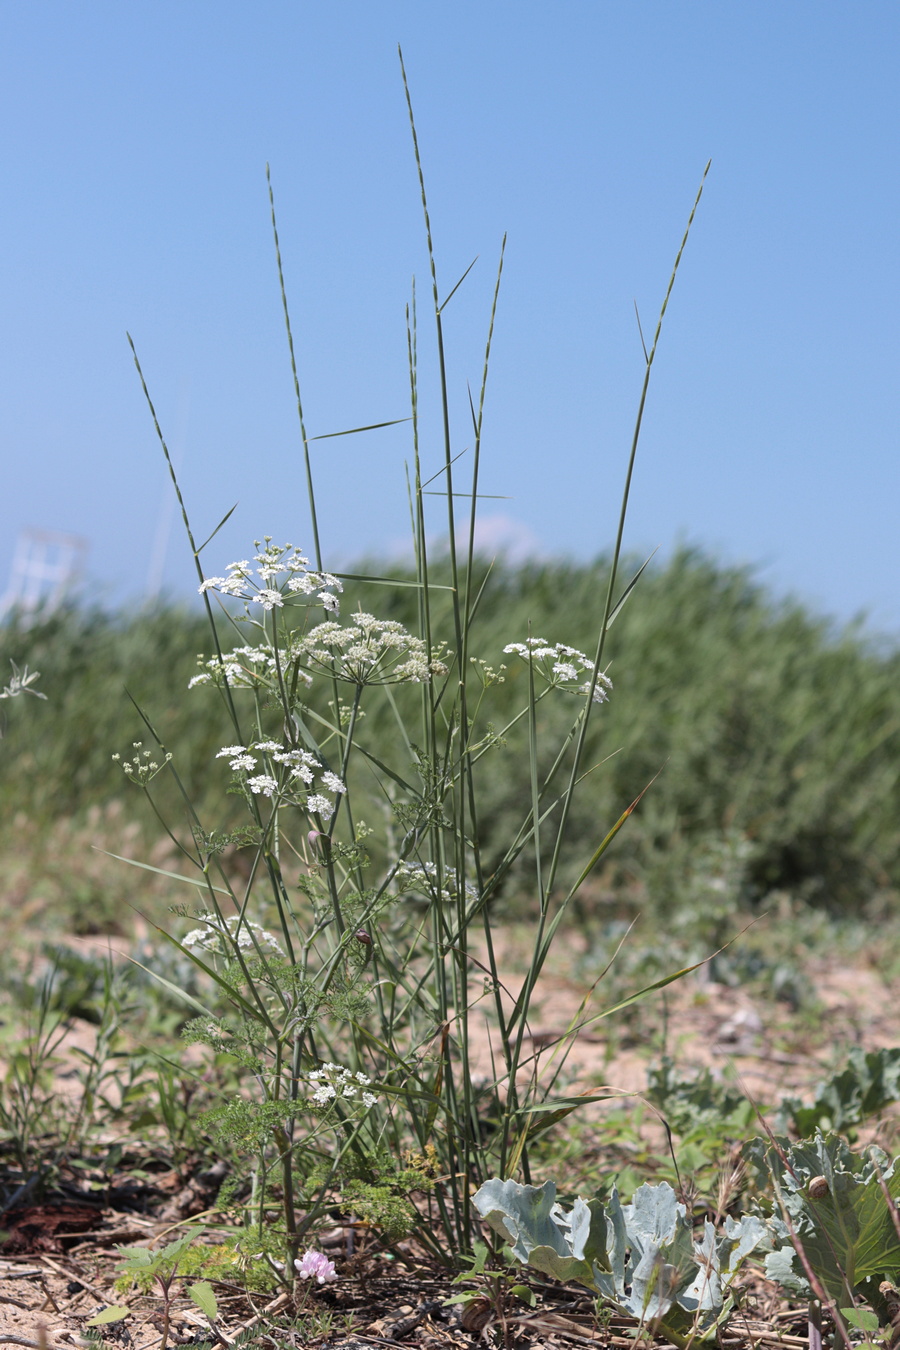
x=236, y=931
x=423, y=878
x=364, y=651
x=561, y=666
x=143, y=768
x=288, y=775
x=287, y=568
x=333, y=1082
x=371, y=651
x=249, y=667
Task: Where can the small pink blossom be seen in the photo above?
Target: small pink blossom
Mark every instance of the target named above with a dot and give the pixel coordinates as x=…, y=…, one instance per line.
x=314, y=1266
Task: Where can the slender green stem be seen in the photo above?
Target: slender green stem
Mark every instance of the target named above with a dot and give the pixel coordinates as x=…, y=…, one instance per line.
x=617, y=550
x=290, y=337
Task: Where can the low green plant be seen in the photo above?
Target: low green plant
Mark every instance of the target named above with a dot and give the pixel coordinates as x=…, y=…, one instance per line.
x=642, y=1257
x=45, y=1129
x=708, y=1116
x=834, y=1222
x=869, y=1082
x=146, y=1267
x=28, y=1106
x=498, y=1288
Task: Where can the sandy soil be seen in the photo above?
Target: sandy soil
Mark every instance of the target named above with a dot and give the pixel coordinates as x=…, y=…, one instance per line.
x=772, y=1049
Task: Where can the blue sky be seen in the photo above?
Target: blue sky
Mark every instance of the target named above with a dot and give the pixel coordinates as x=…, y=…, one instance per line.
x=134, y=146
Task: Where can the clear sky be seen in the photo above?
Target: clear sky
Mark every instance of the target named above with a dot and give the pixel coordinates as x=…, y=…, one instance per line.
x=134, y=143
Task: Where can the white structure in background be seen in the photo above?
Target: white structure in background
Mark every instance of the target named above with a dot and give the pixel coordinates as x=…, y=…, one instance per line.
x=47, y=566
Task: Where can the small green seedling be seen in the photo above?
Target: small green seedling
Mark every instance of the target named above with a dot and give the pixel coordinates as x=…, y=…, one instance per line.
x=497, y=1289
x=145, y=1267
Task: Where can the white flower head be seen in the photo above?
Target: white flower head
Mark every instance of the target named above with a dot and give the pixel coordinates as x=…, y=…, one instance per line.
x=369, y=650
x=561, y=666
x=282, y=570
x=332, y=1082
x=601, y=688
x=21, y=682
x=319, y=805
x=239, y=757
x=142, y=768
x=212, y=937
x=269, y=598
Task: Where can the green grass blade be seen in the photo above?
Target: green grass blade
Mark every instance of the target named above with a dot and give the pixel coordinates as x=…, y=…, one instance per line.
x=227, y=516
x=444, y=303
x=203, y=884
x=353, y=431
x=310, y=489
x=623, y=598
x=389, y=581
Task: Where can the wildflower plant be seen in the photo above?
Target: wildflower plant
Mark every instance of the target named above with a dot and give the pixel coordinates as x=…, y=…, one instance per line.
x=562, y=667
x=20, y=682
x=314, y=1266
x=348, y=964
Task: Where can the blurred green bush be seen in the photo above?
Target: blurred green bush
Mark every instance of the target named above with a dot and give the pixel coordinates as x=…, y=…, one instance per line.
x=775, y=736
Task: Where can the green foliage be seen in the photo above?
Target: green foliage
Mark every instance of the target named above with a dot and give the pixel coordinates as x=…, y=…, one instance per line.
x=869, y=1082
x=238, y=1259
x=142, y=1267
x=707, y=1116
x=91, y=661
x=378, y=1189
x=247, y=1257
x=838, y=1208
x=642, y=1257
x=40, y=1126
x=498, y=1279
x=202, y=1294
x=382, y=1206
x=248, y=1125
x=861, y=1319
x=777, y=737
x=114, y=1313
x=699, y=1103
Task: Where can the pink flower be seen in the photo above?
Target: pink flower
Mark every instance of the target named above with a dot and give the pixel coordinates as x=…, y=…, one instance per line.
x=314, y=1266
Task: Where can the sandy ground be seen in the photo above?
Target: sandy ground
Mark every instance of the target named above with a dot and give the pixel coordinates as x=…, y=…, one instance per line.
x=772, y=1049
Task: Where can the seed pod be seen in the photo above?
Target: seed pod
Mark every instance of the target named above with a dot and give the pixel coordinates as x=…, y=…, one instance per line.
x=818, y=1188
